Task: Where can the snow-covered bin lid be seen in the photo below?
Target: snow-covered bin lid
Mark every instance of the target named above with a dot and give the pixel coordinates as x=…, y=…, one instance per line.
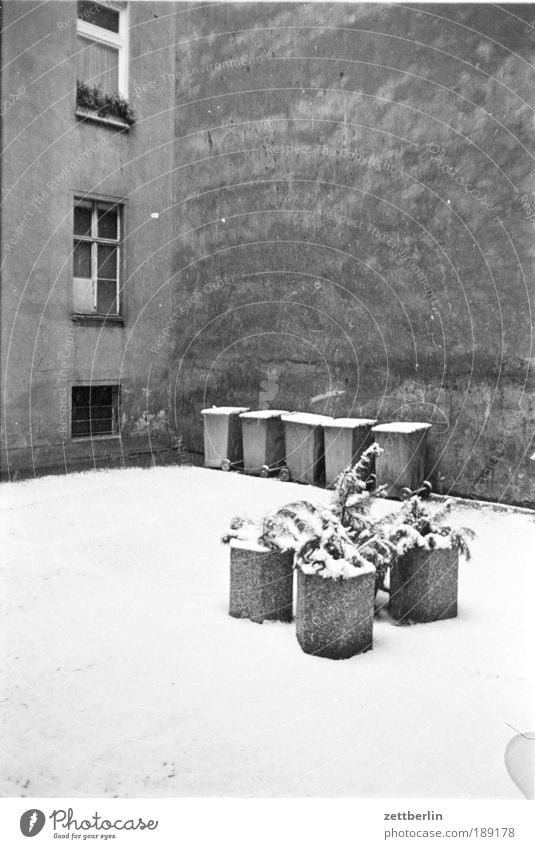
x=263, y=414
x=401, y=427
x=219, y=411
x=351, y=422
x=249, y=545
x=307, y=418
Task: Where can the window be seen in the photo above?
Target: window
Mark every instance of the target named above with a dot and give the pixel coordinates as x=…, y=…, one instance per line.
x=97, y=258
x=102, y=46
x=95, y=411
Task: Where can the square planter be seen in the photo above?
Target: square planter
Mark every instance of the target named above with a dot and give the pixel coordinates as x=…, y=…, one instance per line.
x=305, y=451
x=223, y=446
x=334, y=618
x=403, y=463
x=423, y=585
x=263, y=441
x=261, y=583
x=345, y=440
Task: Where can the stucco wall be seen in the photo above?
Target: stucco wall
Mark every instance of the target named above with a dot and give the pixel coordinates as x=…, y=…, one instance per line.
x=417, y=126
x=49, y=157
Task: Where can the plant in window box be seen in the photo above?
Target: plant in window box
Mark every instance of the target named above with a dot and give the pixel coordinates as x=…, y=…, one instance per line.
x=424, y=573
x=93, y=101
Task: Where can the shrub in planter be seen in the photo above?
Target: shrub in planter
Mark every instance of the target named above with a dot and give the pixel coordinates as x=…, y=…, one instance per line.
x=335, y=595
x=92, y=99
x=261, y=583
x=261, y=577
x=354, y=492
x=424, y=573
x=335, y=578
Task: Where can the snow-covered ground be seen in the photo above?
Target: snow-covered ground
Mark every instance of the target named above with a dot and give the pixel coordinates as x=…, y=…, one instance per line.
x=124, y=675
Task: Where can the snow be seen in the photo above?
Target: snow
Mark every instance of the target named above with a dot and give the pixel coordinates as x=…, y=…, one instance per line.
x=124, y=675
x=263, y=414
x=350, y=422
x=307, y=418
x=249, y=544
x=401, y=427
x=219, y=411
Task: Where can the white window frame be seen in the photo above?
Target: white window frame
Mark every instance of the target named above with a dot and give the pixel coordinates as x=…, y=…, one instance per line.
x=113, y=39
x=95, y=240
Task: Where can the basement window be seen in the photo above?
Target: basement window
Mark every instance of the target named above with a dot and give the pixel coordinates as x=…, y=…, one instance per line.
x=97, y=259
x=95, y=411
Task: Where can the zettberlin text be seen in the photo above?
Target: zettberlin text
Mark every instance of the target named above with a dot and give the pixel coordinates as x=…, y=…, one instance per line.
x=408, y=815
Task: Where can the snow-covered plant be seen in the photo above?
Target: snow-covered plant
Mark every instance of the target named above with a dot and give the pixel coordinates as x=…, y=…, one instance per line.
x=416, y=527
x=243, y=529
x=353, y=496
x=352, y=488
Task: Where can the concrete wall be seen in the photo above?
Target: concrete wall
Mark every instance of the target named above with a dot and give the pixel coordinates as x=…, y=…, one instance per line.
x=415, y=128
x=50, y=156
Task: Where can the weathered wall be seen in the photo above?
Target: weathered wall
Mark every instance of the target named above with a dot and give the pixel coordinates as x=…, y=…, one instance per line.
x=49, y=157
x=416, y=125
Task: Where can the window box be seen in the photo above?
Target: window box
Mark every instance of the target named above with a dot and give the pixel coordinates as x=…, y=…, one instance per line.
x=87, y=319
x=107, y=121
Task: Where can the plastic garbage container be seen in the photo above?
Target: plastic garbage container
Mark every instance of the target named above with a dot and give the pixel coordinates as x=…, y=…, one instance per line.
x=263, y=441
x=222, y=437
x=402, y=465
x=345, y=440
x=305, y=452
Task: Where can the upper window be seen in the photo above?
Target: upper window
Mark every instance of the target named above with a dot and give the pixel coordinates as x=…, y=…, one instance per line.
x=97, y=258
x=102, y=46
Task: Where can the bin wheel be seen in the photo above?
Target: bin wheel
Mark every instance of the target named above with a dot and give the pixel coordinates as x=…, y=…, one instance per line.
x=284, y=474
x=226, y=465
x=264, y=471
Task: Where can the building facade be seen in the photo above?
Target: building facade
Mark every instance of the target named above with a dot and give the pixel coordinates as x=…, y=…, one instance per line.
x=328, y=206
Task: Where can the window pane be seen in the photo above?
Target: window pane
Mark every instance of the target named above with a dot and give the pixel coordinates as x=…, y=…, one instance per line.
x=82, y=300
x=98, y=15
x=107, y=262
x=107, y=223
x=82, y=220
x=82, y=260
x=98, y=65
x=107, y=297
x=80, y=402
x=101, y=409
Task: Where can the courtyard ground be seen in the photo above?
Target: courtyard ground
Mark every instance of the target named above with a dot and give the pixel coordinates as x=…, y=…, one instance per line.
x=123, y=674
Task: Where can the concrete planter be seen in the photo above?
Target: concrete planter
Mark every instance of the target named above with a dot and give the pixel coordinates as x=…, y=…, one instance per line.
x=334, y=618
x=423, y=585
x=305, y=450
x=263, y=441
x=261, y=583
x=402, y=465
x=345, y=440
x=223, y=447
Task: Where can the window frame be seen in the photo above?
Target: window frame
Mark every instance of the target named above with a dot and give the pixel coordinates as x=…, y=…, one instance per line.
x=112, y=39
x=115, y=386
x=95, y=240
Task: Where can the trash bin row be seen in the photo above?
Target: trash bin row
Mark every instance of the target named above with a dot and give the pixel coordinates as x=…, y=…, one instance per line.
x=310, y=448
